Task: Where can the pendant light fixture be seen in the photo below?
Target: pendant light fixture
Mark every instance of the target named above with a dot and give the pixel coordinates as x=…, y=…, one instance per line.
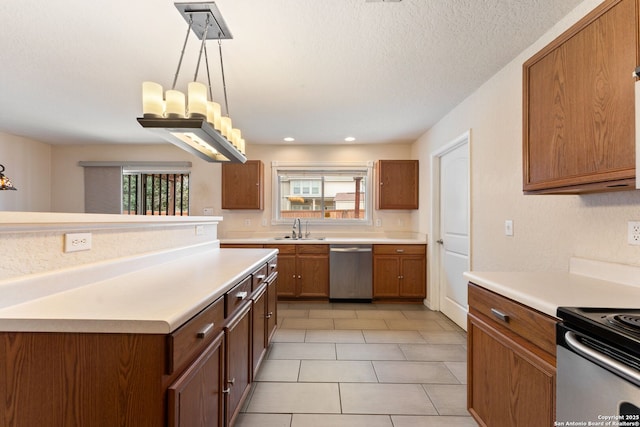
x=195, y=123
x=5, y=182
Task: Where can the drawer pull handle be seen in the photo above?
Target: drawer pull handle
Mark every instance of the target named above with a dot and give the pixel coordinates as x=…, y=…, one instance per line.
x=260, y=277
x=232, y=381
x=205, y=331
x=500, y=315
x=400, y=251
x=227, y=390
x=241, y=295
x=273, y=266
x=269, y=314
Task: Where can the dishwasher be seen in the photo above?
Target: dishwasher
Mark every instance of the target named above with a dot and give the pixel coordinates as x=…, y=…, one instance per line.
x=350, y=273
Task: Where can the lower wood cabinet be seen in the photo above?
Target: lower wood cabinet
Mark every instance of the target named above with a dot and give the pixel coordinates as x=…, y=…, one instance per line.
x=197, y=376
x=195, y=398
x=511, y=373
x=399, y=271
x=303, y=271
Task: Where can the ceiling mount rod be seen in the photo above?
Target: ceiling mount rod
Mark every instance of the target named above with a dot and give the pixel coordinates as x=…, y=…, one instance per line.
x=204, y=14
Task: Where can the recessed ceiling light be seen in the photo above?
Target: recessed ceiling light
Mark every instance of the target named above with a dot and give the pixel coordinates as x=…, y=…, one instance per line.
x=289, y=139
x=349, y=139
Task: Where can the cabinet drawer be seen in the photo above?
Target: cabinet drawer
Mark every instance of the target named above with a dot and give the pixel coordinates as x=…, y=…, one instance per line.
x=258, y=276
x=313, y=249
x=189, y=340
x=237, y=296
x=531, y=325
x=283, y=249
x=272, y=266
x=399, y=249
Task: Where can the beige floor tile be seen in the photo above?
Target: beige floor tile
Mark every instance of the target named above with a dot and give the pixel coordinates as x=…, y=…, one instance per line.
x=393, y=337
x=337, y=371
x=263, y=420
x=289, y=335
x=292, y=314
x=415, y=325
x=414, y=373
x=335, y=336
x=434, y=352
x=306, y=420
x=444, y=337
x=430, y=421
x=278, y=371
x=369, y=352
x=459, y=370
x=289, y=323
x=332, y=314
x=319, y=305
x=448, y=399
x=354, y=306
x=299, y=351
x=291, y=398
x=380, y=314
x=360, y=324
x=405, y=399
x=402, y=306
x=448, y=325
x=423, y=314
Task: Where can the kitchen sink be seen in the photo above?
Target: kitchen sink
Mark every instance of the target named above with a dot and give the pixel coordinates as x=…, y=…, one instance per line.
x=298, y=238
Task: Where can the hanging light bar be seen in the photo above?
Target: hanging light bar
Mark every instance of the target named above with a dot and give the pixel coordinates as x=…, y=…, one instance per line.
x=195, y=123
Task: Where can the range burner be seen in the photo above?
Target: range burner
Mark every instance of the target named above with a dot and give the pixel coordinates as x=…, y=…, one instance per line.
x=628, y=321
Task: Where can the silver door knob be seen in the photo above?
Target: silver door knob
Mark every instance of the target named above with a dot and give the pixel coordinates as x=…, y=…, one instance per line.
x=440, y=241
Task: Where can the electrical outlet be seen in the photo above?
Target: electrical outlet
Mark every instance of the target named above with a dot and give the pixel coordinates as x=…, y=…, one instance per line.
x=207, y=211
x=508, y=227
x=199, y=230
x=633, y=234
x=378, y=222
x=74, y=242
x=264, y=222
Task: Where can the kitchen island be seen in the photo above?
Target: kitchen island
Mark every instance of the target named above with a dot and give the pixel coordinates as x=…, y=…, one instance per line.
x=161, y=339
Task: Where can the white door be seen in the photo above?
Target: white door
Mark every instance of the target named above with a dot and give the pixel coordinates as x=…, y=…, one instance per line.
x=453, y=242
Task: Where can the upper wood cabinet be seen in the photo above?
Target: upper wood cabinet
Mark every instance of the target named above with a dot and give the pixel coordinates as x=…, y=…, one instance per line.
x=242, y=185
x=397, y=184
x=579, y=113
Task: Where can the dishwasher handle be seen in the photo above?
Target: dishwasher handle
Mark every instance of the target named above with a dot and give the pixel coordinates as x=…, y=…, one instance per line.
x=355, y=249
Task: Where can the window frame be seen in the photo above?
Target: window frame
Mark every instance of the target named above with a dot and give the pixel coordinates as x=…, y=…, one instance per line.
x=366, y=167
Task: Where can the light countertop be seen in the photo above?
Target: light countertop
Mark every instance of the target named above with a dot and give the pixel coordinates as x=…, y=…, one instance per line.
x=154, y=296
x=318, y=238
x=546, y=291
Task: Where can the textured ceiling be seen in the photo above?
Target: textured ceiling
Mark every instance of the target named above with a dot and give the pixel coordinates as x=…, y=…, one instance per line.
x=315, y=70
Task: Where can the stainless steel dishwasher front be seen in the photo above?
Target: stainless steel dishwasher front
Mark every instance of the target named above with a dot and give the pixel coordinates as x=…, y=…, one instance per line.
x=350, y=273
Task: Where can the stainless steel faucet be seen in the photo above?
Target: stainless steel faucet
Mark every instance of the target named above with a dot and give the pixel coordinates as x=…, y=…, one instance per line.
x=293, y=231
x=307, y=233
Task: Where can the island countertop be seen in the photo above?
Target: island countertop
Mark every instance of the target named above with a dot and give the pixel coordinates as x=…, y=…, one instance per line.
x=152, y=295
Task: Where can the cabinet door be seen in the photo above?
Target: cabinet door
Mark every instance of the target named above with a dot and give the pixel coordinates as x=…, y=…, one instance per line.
x=386, y=276
x=397, y=184
x=259, y=326
x=413, y=274
x=313, y=276
x=287, y=276
x=579, y=131
x=242, y=185
x=508, y=385
x=195, y=398
x=237, y=361
x=272, y=307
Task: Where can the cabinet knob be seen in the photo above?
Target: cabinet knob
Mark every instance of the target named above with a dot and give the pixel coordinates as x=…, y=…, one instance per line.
x=260, y=277
x=272, y=266
x=269, y=314
x=202, y=333
x=242, y=295
x=299, y=277
x=232, y=381
x=227, y=390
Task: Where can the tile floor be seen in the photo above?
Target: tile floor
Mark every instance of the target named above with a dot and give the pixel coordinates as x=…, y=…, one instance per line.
x=369, y=365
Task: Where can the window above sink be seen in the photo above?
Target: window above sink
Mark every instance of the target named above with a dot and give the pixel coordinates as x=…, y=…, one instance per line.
x=322, y=193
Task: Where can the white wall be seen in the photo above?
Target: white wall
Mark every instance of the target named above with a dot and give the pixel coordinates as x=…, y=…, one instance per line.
x=548, y=229
x=28, y=164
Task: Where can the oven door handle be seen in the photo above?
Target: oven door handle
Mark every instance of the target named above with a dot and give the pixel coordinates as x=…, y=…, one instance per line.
x=601, y=359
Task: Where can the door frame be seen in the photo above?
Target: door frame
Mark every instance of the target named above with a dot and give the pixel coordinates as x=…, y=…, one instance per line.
x=435, y=266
